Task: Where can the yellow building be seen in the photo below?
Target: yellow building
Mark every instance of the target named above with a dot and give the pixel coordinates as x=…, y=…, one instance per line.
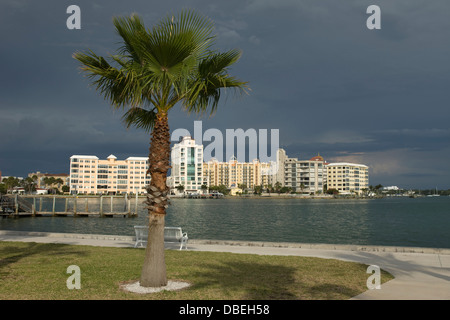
x=91, y=175
x=347, y=178
x=233, y=174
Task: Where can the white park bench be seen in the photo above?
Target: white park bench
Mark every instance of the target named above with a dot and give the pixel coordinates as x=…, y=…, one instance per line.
x=171, y=234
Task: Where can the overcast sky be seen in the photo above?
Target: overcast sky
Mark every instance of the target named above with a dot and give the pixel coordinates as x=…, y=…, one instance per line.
x=316, y=72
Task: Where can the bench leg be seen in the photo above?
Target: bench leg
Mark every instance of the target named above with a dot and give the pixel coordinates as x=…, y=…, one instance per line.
x=183, y=243
x=141, y=243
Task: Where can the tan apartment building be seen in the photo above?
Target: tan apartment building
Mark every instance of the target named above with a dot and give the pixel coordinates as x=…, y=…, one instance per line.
x=303, y=176
x=41, y=179
x=234, y=173
x=347, y=178
x=91, y=175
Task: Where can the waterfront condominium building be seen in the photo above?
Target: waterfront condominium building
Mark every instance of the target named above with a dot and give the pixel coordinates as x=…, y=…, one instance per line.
x=91, y=175
x=187, y=166
x=233, y=173
x=304, y=176
x=347, y=178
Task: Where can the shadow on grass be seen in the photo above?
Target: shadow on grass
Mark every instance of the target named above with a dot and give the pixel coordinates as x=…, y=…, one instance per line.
x=14, y=252
x=262, y=281
x=252, y=280
x=331, y=291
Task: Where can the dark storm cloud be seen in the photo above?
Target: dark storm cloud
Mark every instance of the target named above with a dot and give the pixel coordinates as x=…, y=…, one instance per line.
x=316, y=73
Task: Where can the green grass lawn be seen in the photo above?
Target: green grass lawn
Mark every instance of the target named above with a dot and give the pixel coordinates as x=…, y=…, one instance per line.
x=39, y=271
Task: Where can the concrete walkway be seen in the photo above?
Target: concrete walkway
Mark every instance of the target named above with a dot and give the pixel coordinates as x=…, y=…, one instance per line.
x=420, y=273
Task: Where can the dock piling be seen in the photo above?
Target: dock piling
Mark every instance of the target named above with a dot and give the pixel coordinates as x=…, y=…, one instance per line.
x=23, y=207
x=136, y=205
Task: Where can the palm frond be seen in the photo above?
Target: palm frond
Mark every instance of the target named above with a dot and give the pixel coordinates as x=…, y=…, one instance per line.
x=132, y=31
x=120, y=86
x=212, y=78
x=140, y=118
x=156, y=68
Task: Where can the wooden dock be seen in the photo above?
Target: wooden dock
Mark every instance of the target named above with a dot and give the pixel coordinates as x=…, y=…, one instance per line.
x=15, y=206
x=68, y=214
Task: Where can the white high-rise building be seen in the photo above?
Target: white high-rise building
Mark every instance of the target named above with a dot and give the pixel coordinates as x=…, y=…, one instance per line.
x=187, y=166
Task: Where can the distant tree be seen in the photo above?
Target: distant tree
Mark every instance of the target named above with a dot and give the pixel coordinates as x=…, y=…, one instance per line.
x=59, y=182
x=257, y=189
x=302, y=187
x=243, y=187
x=10, y=183
x=378, y=188
x=180, y=188
x=278, y=187
x=29, y=184
x=65, y=188
x=221, y=188
x=285, y=190
x=332, y=191
x=204, y=188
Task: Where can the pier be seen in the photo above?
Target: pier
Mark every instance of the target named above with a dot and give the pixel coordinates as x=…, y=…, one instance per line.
x=15, y=206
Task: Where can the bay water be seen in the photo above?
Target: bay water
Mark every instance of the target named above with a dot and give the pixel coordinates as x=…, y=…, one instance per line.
x=391, y=221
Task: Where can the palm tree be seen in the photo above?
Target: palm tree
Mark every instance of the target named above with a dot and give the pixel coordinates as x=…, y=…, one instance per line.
x=155, y=69
x=302, y=187
x=59, y=182
x=180, y=188
x=278, y=187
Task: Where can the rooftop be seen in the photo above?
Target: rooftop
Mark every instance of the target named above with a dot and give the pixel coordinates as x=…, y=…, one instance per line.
x=346, y=164
x=83, y=157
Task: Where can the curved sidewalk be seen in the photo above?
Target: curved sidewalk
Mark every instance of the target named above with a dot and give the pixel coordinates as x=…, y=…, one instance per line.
x=420, y=273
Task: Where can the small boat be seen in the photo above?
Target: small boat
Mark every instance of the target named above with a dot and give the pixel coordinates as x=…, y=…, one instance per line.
x=435, y=194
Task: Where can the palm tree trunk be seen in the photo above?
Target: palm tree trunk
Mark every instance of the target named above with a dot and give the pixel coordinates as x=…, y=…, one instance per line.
x=154, y=268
